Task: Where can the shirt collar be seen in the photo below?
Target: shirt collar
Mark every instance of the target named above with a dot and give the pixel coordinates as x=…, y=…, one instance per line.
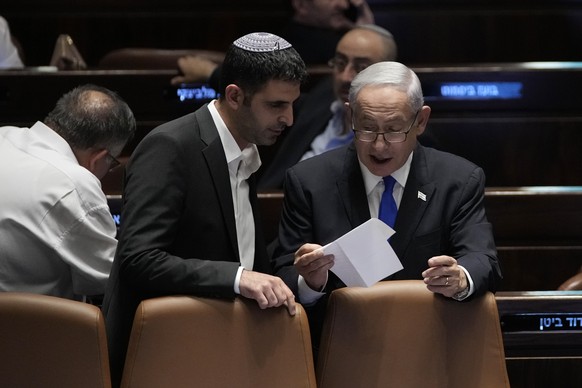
x=337, y=107
x=250, y=158
x=400, y=175
x=49, y=136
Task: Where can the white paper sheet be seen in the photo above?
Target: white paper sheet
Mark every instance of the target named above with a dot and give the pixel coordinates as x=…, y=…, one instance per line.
x=363, y=256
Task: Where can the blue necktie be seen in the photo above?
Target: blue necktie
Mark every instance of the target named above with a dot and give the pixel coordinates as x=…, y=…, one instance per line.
x=388, y=207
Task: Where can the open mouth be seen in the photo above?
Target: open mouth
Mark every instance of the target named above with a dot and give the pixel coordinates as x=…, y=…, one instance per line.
x=380, y=160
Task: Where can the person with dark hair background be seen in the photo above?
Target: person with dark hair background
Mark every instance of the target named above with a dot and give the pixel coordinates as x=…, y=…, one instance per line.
x=321, y=123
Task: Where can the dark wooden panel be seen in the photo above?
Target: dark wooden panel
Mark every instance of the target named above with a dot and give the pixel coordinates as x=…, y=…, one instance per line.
x=544, y=372
x=541, y=358
x=428, y=32
x=530, y=140
x=98, y=27
x=517, y=151
x=530, y=268
x=525, y=340
x=535, y=216
x=27, y=96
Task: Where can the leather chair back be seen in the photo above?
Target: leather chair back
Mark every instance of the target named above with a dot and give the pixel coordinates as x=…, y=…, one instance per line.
x=47, y=341
x=399, y=334
x=185, y=341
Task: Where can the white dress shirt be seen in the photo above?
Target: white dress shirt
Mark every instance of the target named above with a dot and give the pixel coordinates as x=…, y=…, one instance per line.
x=57, y=236
x=241, y=165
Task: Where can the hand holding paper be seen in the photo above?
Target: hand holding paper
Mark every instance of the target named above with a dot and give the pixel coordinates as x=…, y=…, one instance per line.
x=363, y=256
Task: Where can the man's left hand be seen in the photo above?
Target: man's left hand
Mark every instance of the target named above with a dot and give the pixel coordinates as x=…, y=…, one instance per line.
x=444, y=276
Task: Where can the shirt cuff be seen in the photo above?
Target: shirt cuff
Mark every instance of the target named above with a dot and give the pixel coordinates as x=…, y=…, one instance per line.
x=237, y=280
x=307, y=296
x=470, y=284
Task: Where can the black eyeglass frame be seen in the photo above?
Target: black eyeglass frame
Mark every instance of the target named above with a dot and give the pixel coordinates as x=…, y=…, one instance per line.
x=114, y=162
x=359, y=132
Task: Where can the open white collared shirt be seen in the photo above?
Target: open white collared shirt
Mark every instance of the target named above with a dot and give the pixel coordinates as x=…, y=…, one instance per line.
x=241, y=165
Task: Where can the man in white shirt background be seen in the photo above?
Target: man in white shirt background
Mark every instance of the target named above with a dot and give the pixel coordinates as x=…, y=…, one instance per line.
x=57, y=236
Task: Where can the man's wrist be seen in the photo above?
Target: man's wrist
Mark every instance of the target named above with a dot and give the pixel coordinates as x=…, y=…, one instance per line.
x=463, y=294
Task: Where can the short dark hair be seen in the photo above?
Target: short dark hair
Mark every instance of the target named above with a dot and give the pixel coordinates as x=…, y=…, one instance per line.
x=91, y=116
x=252, y=70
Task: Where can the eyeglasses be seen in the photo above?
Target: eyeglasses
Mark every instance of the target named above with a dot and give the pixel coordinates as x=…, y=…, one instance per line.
x=389, y=136
x=340, y=64
x=113, y=162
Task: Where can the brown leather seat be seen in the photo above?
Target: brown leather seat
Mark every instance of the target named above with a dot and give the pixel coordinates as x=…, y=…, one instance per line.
x=152, y=58
x=51, y=342
x=399, y=334
x=184, y=341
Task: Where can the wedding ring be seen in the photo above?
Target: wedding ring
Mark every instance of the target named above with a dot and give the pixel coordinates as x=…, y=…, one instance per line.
x=446, y=281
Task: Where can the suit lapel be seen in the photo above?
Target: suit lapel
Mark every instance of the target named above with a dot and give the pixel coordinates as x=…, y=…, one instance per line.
x=352, y=190
x=416, y=198
x=218, y=170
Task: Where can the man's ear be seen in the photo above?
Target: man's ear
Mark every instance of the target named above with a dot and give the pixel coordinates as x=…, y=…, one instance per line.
x=422, y=119
x=349, y=118
x=234, y=96
x=95, y=158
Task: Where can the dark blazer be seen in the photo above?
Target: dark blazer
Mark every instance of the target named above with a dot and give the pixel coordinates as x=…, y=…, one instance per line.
x=313, y=114
x=178, y=231
x=325, y=197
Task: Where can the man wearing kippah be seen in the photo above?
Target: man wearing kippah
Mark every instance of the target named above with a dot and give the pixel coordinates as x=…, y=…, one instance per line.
x=189, y=220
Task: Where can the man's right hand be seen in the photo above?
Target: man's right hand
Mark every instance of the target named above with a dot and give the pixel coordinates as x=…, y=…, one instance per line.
x=313, y=265
x=267, y=290
x=194, y=69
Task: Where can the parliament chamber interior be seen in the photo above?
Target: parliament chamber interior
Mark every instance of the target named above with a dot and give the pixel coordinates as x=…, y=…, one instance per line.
x=501, y=78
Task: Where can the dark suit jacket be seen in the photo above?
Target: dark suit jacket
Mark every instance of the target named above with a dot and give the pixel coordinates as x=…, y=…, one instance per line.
x=313, y=114
x=325, y=198
x=178, y=232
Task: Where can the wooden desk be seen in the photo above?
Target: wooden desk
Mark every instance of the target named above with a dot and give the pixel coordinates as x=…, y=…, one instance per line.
x=538, y=233
x=542, y=358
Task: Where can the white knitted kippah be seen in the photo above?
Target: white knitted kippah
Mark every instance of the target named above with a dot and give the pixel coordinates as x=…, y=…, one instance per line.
x=261, y=42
